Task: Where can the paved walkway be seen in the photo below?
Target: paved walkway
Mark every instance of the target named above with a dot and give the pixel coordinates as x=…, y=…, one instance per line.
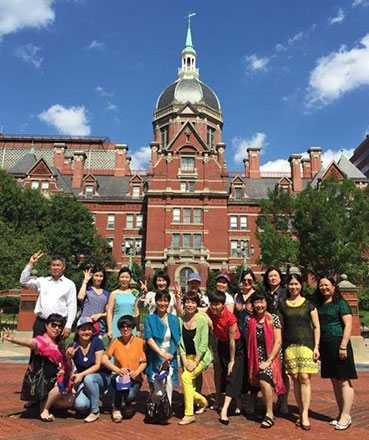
x=18, y=423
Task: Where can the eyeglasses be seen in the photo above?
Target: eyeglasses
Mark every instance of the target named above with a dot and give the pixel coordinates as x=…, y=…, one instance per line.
x=126, y=326
x=247, y=281
x=56, y=325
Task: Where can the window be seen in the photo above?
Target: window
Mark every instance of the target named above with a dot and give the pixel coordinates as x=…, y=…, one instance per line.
x=136, y=191
x=191, y=186
x=234, y=248
x=243, y=222
x=284, y=189
x=183, y=277
x=93, y=215
x=176, y=215
x=34, y=184
x=175, y=240
x=138, y=246
x=187, y=215
x=139, y=220
x=164, y=136
x=111, y=221
x=45, y=185
x=197, y=241
x=188, y=163
x=211, y=136
x=233, y=221
x=183, y=187
x=110, y=241
x=129, y=221
x=186, y=240
x=238, y=193
x=128, y=246
x=89, y=190
x=197, y=215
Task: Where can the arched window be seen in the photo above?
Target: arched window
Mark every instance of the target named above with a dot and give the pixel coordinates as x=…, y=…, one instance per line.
x=183, y=277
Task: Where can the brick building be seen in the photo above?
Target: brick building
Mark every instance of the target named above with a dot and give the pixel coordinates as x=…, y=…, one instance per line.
x=186, y=211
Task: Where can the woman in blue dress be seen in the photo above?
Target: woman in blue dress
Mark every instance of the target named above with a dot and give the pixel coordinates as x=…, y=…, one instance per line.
x=94, y=298
x=121, y=302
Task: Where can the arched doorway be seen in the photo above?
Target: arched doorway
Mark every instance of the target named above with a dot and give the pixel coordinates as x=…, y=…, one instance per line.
x=184, y=273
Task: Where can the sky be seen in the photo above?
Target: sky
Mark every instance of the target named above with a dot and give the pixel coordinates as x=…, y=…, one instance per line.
x=289, y=74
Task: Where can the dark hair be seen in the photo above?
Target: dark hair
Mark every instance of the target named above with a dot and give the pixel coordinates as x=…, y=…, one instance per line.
x=95, y=269
x=216, y=296
x=162, y=294
x=267, y=272
x=191, y=295
x=258, y=296
x=124, y=269
x=248, y=272
x=297, y=277
x=336, y=294
x=161, y=274
x=59, y=258
x=55, y=317
x=127, y=320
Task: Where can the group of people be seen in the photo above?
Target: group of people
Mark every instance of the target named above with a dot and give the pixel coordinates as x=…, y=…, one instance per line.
x=258, y=341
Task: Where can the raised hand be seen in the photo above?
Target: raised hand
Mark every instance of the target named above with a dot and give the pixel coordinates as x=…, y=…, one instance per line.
x=87, y=275
x=178, y=291
x=143, y=286
x=7, y=335
x=35, y=257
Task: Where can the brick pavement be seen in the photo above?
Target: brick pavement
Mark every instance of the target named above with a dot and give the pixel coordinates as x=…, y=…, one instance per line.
x=18, y=423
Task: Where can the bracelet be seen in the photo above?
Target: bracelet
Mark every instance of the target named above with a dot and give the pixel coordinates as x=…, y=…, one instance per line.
x=344, y=349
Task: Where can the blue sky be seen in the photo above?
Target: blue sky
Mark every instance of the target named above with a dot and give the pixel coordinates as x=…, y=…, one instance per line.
x=289, y=74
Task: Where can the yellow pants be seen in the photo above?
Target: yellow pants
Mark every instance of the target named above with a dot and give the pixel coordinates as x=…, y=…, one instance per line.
x=189, y=388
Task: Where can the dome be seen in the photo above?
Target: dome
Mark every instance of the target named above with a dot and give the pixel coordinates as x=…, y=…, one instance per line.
x=188, y=90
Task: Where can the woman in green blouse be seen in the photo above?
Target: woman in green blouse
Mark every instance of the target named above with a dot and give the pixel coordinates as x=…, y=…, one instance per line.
x=337, y=360
x=195, y=354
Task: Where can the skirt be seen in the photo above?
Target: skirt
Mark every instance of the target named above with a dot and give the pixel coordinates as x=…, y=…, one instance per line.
x=299, y=359
x=332, y=367
x=232, y=384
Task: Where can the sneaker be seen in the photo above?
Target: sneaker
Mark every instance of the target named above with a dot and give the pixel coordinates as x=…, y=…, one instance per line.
x=92, y=417
x=187, y=420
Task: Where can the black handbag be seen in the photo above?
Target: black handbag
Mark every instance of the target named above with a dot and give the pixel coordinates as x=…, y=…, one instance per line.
x=35, y=386
x=158, y=412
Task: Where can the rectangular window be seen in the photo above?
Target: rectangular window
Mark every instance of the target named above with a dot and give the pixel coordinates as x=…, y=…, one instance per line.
x=110, y=241
x=138, y=246
x=129, y=221
x=175, y=240
x=111, y=221
x=45, y=185
x=139, y=219
x=89, y=190
x=183, y=187
x=233, y=222
x=243, y=222
x=176, y=215
x=197, y=215
x=234, y=248
x=187, y=215
x=136, y=191
x=186, y=240
x=197, y=241
x=238, y=193
x=34, y=184
x=164, y=131
x=128, y=246
x=191, y=186
x=188, y=163
x=211, y=137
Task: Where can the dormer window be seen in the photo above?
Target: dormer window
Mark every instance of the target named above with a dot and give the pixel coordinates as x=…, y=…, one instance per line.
x=136, y=191
x=45, y=185
x=89, y=190
x=188, y=163
x=34, y=184
x=237, y=193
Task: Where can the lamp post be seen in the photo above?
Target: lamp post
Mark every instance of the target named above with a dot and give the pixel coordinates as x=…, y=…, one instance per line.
x=246, y=251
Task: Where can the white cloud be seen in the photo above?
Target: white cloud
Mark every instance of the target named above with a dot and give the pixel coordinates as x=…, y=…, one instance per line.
x=360, y=3
x=240, y=145
x=282, y=165
x=102, y=92
x=338, y=73
x=141, y=158
x=280, y=48
x=69, y=121
x=29, y=54
x=111, y=107
x=19, y=14
x=96, y=45
x=255, y=64
x=297, y=37
x=338, y=18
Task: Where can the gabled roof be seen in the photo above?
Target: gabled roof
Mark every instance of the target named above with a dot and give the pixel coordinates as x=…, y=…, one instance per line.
x=22, y=167
x=351, y=171
x=188, y=125
x=41, y=168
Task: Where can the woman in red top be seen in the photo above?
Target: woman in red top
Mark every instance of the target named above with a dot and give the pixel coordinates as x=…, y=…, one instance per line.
x=229, y=349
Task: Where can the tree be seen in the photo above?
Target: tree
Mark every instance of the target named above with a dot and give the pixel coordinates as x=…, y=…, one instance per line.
x=59, y=225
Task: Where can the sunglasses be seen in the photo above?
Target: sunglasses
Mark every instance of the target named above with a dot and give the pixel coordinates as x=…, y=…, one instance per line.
x=126, y=326
x=56, y=325
x=246, y=281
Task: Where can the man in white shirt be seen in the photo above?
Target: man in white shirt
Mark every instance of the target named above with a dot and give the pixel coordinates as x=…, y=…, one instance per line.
x=57, y=294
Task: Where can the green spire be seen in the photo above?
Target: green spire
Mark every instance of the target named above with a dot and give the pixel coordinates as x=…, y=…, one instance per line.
x=189, y=45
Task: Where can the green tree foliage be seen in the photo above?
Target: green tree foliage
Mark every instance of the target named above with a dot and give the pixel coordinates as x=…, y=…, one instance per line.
x=323, y=230
x=59, y=225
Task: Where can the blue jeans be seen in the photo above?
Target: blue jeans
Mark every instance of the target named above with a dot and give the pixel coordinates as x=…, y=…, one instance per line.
x=125, y=397
x=89, y=390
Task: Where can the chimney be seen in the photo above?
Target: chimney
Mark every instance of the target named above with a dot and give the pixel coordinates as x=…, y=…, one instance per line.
x=59, y=151
x=247, y=167
x=79, y=159
x=221, y=149
x=306, y=168
x=121, y=166
x=254, y=162
x=295, y=162
x=315, y=154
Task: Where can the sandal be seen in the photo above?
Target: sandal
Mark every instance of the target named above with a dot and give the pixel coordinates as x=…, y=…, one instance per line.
x=267, y=422
x=49, y=418
x=116, y=416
